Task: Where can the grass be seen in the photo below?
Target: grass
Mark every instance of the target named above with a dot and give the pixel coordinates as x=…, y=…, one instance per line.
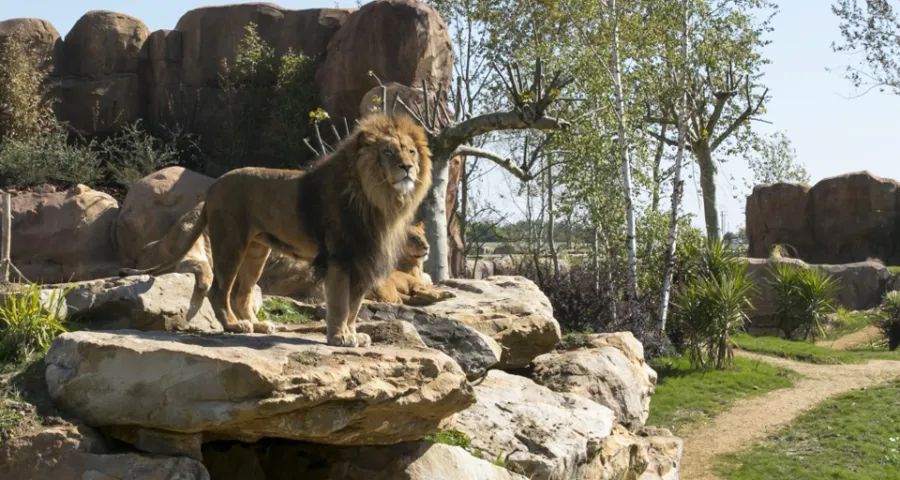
x=853, y=436
x=894, y=269
x=808, y=352
x=847, y=322
x=285, y=311
x=685, y=396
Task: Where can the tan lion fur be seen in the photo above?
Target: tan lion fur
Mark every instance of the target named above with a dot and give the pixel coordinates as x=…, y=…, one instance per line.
x=405, y=285
x=347, y=215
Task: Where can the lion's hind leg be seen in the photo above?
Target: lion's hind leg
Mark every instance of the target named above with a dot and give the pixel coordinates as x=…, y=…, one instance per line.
x=242, y=293
x=227, y=252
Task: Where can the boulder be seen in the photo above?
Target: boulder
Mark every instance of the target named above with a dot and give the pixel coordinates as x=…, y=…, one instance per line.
x=60, y=236
x=247, y=387
x=99, y=105
x=396, y=333
x=777, y=214
x=144, y=302
x=103, y=43
x=402, y=41
x=77, y=453
x=404, y=461
x=39, y=34
x=654, y=454
x=610, y=371
x=542, y=434
x=511, y=310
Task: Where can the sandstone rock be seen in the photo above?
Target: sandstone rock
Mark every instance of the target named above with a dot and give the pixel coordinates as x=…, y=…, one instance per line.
x=101, y=105
x=247, y=387
x=385, y=97
x=542, y=434
x=155, y=203
x=76, y=453
x=778, y=214
x=145, y=303
x=652, y=455
x=611, y=372
x=511, y=310
x=403, y=41
x=475, y=352
x=404, y=461
x=103, y=43
x=40, y=34
x=64, y=236
x=396, y=333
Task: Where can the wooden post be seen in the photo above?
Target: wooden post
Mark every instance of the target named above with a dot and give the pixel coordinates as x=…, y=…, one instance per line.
x=7, y=237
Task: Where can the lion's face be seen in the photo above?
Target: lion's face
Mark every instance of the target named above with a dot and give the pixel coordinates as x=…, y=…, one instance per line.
x=394, y=153
x=398, y=160
x=416, y=243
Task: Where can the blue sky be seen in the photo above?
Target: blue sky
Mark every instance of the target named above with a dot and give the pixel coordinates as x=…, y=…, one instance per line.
x=832, y=133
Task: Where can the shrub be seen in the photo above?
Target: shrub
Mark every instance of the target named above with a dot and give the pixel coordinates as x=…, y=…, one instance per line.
x=268, y=100
x=134, y=153
x=711, y=307
x=26, y=108
x=28, y=324
x=48, y=158
x=803, y=297
x=890, y=324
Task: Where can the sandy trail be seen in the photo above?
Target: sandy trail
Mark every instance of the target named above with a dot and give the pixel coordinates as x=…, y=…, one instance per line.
x=751, y=420
x=866, y=335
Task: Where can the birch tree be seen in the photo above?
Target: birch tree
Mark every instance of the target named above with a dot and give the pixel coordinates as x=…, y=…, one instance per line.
x=870, y=31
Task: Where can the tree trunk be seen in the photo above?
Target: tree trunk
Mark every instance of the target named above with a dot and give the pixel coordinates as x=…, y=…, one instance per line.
x=551, y=227
x=677, y=185
x=708, y=187
x=657, y=174
x=631, y=236
x=433, y=212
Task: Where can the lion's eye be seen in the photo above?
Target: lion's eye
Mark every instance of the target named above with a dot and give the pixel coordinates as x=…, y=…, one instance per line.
x=412, y=150
x=388, y=153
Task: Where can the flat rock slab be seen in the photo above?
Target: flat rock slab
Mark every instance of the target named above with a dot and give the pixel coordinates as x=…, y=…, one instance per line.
x=250, y=386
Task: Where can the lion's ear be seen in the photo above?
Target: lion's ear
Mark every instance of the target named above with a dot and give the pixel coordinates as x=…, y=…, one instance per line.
x=366, y=139
x=420, y=226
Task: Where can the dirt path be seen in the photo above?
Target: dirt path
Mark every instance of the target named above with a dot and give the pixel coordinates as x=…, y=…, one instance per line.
x=749, y=421
x=866, y=335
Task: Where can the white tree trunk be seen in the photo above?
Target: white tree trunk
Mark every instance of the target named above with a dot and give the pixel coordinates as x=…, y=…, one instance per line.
x=434, y=215
x=678, y=186
x=631, y=235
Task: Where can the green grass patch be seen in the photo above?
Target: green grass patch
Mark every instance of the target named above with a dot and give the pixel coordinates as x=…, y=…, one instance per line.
x=847, y=322
x=854, y=436
x=684, y=395
x=894, y=269
x=808, y=352
x=285, y=311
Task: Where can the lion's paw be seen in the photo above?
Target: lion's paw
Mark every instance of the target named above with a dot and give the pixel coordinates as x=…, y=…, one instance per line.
x=446, y=294
x=241, y=326
x=264, y=327
x=363, y=340
x=350, y=340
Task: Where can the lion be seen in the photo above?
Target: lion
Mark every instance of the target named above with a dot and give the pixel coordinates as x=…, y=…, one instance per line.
x=406, y=284
x=346, y=215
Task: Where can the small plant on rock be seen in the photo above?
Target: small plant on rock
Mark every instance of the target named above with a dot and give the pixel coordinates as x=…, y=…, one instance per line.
x=803, y=297
x=28, y=323
x=890, y=323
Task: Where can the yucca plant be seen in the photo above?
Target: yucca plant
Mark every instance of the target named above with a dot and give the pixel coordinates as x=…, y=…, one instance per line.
x=890, y=323
x=712, y=307
x=803, y=297
x=28, y=325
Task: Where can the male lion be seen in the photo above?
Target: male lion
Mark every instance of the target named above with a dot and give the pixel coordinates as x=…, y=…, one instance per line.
x=347, y=215
x=406, y=284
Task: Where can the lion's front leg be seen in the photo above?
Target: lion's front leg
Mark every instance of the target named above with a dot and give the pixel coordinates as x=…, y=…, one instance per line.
x=339, y=305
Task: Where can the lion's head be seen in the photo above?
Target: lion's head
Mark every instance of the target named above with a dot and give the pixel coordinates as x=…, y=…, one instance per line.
x=393, y=161
x=417, y=247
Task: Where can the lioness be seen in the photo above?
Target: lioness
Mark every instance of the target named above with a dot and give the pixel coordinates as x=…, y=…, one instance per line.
x=347, y=215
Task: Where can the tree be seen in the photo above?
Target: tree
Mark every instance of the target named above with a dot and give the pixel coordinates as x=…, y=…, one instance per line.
x=872, y=29
x=772, y=159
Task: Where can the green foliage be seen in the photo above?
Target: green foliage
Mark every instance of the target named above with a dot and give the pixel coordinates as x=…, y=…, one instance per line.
x=270, y=104
x=284, y=311
x=711, y=307
x=810, y=352
x=844, y=322
x=49, y=158
x=134, y=154
x=26, y=109
x=452, y=437
x=684, y=395
x=772, y=159
x=803, y=296
x=890, y=325
x=851, y=437
x=29, y=325
x=869, y=30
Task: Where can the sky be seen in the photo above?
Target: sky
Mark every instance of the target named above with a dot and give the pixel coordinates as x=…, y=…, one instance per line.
x=832, y=132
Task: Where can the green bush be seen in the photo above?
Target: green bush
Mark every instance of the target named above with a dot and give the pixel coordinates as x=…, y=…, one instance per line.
x=134, y=153
x=712, y=306
x=26, y=109
x=268, y=99
x=890, y=324
x=803, y=297
x=28, y=325
x=49, y=158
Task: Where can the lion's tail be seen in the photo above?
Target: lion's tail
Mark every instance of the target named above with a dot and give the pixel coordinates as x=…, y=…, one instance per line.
x=183, y=247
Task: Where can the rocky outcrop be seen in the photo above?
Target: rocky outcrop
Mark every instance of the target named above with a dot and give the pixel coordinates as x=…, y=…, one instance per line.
x=247, y=387
x=60, y=236
x=860, y=285
x=542, y=434
x=404, y=461
x=610, y=371
x=39, y=34
x=654, y=454
x=843, y=219
x=78, y=453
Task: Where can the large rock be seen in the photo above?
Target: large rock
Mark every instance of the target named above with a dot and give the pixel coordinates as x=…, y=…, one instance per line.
x=404, y=461
x=103, y=43
x=654, y=454
x=60, y=236
x=860, y=285
x=403, y=41
x=99, y=105
x=247, y=387
x=542, y=434
x=511, y=310
x=77, y=453
x=610, y=371
x=776, y=213
x=39, y=34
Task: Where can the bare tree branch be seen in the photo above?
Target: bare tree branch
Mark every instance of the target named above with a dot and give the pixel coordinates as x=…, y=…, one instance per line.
x=743, y=117
x=506, y=163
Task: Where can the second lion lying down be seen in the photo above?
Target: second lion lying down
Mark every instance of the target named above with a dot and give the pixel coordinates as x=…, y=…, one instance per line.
x=348, y=216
